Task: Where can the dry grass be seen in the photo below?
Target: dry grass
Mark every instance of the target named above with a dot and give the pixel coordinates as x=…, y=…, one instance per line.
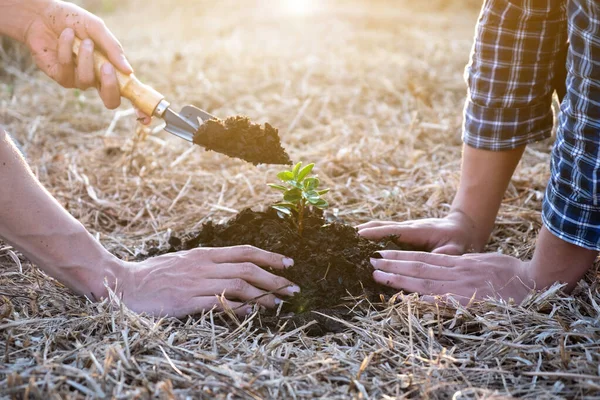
x=373, y=94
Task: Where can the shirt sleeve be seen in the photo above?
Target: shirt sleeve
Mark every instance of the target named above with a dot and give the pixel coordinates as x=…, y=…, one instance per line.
x=510, y=73
x=571, y=207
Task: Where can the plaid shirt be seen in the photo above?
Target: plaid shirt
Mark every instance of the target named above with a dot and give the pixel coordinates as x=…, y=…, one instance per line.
x=516, y=64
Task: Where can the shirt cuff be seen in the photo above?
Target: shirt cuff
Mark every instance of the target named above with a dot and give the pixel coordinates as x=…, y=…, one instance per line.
x=497, y=128
x=571, y=221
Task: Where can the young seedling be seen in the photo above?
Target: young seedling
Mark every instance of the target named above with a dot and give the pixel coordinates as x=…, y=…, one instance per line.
x=299, y=193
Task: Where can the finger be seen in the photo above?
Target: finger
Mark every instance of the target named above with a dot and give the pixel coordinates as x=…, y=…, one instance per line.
x=378, y=224
x=410, y=284
x=65, y=55
x=375, y=224
x=245, y=253
x=256, y=276
x=442, y=260
x=65, y=58
x=378, y=232
x=143, y=118
x=413, y=235
x=414, y=269
x=108, y=43
x=109, y=87
x=450, y=249
x=85, y=65
x=238, y=289
x=201, y=304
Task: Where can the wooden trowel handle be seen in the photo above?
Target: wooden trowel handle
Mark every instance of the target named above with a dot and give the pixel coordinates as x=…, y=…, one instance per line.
x=141, y=96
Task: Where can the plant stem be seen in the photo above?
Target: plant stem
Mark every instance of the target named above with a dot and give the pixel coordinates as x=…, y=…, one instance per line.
x=301, y=217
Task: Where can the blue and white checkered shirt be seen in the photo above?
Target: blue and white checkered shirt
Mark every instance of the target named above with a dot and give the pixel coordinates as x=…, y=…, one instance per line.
x=516, y=64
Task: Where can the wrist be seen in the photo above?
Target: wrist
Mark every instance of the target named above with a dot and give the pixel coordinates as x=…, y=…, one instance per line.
x=75, y=258
x=91, y=276
x=556, y=260
x=17, y=15
x=100, y=276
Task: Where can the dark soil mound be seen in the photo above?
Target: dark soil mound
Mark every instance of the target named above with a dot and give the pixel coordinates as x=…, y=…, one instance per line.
x=240, y=138
x=331, y=262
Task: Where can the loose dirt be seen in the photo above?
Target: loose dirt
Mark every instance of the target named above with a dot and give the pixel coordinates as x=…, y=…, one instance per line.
x=239, y=137
x=332, y=263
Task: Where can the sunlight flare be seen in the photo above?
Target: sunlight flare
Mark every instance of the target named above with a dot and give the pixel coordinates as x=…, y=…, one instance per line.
x=300, y=7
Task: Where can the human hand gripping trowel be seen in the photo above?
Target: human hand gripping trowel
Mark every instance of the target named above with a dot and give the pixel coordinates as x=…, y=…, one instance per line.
x=235, y=137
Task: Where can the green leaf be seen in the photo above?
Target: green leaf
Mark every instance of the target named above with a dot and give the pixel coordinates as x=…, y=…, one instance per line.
x=311, y=183
x=296, y=184
x=305, y=171
x=278, y=187
x=285, y=176
x=296, y=169
x=322, y=192
x=314, y=200
x=282, y=209
x=293, y=195
x=321, y=204
x=310, y=194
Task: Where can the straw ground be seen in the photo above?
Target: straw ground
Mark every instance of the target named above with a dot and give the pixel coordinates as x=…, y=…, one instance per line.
x=372, y=92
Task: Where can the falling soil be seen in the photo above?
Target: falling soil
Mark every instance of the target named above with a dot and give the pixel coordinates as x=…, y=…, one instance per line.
x=332, y=262
x=240, y=138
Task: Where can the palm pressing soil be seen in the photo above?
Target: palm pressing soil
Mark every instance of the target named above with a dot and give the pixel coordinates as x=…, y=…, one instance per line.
x=240, y=138
x=332, y=263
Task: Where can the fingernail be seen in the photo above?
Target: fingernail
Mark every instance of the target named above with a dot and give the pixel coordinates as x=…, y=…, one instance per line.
x=293, y=289
x=107, y=69
x=126, y=63
x=278, y=300
x=249, y=311
x=288, y=262
x=88, y=44
x=374, y=262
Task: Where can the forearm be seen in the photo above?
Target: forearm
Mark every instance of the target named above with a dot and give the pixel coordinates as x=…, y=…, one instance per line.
x=37, y=225
x=555, y=260
x=16, y=16
x=484, y=178
x=509, y=98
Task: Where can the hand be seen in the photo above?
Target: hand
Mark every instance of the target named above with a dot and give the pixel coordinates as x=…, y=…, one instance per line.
x=188, y=282
x=50, y=39
x=454, y=234
x=477, y=276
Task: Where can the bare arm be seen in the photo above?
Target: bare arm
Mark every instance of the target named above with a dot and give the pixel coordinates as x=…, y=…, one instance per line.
x=510, y=85
x=510, y=79
x=556, y=260
x=467, y=227
x=175, y=284
x=483, y=181
x=36, y=224
x=492, y=274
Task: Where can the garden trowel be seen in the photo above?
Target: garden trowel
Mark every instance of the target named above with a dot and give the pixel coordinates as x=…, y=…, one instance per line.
x=183, y=124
